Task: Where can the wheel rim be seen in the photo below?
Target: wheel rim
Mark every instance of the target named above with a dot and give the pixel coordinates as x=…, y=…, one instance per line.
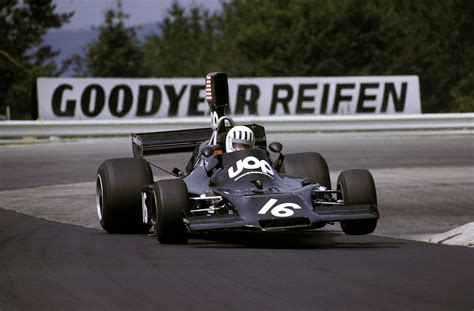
x=340, y=195
x=155, y=222
x=144, y=208
x=99, y=198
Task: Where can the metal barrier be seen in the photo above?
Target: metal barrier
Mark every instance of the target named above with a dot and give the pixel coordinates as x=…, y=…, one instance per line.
x=462, y=123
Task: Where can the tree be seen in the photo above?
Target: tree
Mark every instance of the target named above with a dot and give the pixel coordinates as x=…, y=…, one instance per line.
x=440, y=49
x=433, y=40
x=23, y=57
x=307, y=37
x=116, y=53
x=185, y=45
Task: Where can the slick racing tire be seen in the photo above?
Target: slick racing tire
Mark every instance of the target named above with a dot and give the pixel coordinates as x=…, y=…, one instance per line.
x=171, y=200
x=357, y=187
x=118, y=194
x=309, y=165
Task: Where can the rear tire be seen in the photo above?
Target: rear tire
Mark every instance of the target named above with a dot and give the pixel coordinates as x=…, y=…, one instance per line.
x=357, y=187
x=171, y=201
x=118, y=187
x=309, y=165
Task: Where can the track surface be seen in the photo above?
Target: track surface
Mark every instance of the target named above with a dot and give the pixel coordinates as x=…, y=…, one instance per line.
x=47, y=265
x=53, y=266
x=64, y=163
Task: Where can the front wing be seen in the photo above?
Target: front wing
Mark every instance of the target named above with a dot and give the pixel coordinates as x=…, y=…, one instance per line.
x=313, y=219
x=279, y=211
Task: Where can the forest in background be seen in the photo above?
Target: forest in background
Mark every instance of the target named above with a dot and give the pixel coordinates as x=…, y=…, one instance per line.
x=255, y=38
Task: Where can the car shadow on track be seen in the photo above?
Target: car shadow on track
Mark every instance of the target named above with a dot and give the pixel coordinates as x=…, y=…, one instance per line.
x=290, y=240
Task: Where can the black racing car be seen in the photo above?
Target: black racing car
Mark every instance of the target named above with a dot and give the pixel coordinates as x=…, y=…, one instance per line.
x=252, y=189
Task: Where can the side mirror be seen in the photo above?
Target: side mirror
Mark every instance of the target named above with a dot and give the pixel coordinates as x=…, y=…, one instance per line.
x=275, y=147
x=207, y=151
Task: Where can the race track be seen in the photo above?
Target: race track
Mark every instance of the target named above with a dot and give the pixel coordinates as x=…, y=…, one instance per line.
x=59, y=259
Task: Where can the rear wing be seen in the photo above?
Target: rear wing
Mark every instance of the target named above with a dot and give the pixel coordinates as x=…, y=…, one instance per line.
x=144, y=144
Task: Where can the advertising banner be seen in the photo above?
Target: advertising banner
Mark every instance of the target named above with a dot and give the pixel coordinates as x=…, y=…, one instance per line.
x=116, y=98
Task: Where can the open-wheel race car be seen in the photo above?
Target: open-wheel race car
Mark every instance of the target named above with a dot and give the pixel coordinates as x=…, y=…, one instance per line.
x=233, y=181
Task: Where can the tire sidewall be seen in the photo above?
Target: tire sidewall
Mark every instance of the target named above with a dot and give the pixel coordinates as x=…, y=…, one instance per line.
x=311, y=165
x=122, y=181
x=171, y=201
x=357, y=187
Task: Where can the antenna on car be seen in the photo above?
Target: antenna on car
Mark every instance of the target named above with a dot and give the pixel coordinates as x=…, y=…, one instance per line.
x=217, y=96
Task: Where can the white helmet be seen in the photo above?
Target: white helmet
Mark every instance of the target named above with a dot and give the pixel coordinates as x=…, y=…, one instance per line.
x=239, y=138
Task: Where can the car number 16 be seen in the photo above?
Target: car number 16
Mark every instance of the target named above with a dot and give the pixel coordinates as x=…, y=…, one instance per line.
x=281, y=210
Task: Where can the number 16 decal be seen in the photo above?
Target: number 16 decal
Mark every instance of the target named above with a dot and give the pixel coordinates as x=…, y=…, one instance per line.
x=281, y=210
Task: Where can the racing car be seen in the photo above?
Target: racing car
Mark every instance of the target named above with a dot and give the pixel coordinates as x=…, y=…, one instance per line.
x=233, y=181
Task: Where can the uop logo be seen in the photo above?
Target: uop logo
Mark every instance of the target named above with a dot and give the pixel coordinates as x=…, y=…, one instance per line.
x=250, y=163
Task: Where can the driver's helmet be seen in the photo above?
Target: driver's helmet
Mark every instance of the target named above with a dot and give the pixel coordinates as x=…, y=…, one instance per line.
x=239, y=138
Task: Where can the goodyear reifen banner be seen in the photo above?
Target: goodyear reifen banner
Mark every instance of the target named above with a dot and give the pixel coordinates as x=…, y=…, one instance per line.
x=114, y=98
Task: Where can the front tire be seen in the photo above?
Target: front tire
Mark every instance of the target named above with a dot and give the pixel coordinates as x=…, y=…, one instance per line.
x=171, y=200
x=118, y=194
x=357, y=187
x=309, y=165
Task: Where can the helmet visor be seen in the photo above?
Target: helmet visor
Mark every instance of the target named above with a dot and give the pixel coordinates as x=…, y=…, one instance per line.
x=241, y=146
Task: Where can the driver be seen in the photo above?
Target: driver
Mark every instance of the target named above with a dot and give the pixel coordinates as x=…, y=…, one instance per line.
x=239, y=138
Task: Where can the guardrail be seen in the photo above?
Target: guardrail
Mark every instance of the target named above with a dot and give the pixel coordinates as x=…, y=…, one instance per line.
x=462, y=123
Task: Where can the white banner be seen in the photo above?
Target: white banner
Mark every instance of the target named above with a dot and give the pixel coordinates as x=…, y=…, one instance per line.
x=113, y=98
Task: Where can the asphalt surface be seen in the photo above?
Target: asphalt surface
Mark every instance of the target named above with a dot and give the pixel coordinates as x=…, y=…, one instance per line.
x=25, y=166
x=46, y=265
x=51, y=266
